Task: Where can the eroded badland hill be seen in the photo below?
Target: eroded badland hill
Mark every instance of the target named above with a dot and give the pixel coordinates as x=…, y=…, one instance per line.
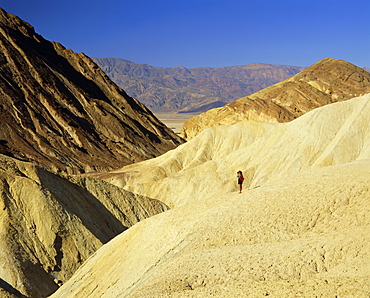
x=50, y=225
x=325, y=82
x=59, y=110
x=300, y=228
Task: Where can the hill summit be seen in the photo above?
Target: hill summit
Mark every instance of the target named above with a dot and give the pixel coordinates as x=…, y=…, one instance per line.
x=59, y=109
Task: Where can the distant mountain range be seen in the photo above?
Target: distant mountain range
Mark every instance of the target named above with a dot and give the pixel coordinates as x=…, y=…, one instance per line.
x=179, y=89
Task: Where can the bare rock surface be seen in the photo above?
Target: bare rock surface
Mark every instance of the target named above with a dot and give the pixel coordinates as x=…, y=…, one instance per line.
x=325, y=82
x=299, y=229
x=59, y=109
x=192, y=90
x=49, y=225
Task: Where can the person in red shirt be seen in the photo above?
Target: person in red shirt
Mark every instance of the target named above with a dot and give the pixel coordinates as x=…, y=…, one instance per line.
x=240, y=180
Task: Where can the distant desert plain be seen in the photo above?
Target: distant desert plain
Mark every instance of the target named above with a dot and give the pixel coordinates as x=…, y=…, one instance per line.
x=175, y=121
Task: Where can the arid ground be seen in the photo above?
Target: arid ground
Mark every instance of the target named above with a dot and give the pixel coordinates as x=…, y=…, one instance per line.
x=174, y=120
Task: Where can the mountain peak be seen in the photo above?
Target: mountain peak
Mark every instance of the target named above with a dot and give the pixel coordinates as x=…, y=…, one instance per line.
x=333, y=67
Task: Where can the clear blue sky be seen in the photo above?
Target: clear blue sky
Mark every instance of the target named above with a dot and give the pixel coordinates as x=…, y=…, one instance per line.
x=195, y=33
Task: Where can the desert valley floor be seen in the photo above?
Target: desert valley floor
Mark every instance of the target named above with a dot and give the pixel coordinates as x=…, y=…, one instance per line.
x=174, y=121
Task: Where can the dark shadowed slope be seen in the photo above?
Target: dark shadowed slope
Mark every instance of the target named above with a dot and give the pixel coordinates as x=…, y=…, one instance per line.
x=58, y=109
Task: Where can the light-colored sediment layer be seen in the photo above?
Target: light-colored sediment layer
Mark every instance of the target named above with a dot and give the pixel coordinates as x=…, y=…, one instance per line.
x=302, y=229
x=207, y=165
x=174, y=121
x=49, y=226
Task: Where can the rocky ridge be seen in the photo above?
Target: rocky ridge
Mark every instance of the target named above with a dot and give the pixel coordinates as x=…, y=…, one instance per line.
x=49, y=225
x=194, y=90
x=300, y=228
x=60, y=110
x=325, y=82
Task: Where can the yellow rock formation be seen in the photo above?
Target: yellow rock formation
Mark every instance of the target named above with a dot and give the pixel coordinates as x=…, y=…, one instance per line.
x=50, y=225
x=301, y=227
x=204, y=166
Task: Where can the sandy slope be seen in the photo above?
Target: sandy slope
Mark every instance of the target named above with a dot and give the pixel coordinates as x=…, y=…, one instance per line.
x=304, y=232
x=301, y=237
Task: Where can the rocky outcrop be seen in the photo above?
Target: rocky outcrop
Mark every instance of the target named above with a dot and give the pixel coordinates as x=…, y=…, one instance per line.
x=300, y=227
x=180, y=89
x=325, y=82
x=49, y=225
x=59, y=110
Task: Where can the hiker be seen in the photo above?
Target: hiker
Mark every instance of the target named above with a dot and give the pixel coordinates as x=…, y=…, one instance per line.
x=240, y=180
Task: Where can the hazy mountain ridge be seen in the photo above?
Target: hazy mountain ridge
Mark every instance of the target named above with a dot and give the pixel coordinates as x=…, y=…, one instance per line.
x=60, y=110
x=324, y=82
x=179, y=89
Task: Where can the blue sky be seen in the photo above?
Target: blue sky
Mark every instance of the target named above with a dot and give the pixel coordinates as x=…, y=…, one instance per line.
x=213, y=33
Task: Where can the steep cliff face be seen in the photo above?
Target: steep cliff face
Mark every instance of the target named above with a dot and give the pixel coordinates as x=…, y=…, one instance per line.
x=325, y=82
x=58, y=109
x=49, y=225
x=180, y=89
